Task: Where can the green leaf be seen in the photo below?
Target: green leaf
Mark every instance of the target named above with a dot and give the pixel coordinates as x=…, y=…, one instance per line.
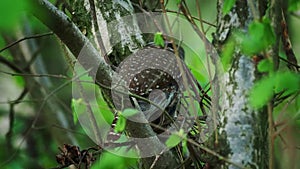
x=106, y=114
x=78, y=108
x=185, y=149
x=129, y=112
x=181, y=133
x=198, y=75
x=262, y=92
x=195, y=64
x=288, y=82
x=227, y=6
x=260, y=36
x=227, y=53
x=121, y=124
x=265, y=65
x=159, y=40
x=175, y=138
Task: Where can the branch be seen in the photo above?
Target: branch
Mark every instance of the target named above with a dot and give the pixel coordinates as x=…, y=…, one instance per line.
x=70, y=35
x=276, y=18
x=34, y=75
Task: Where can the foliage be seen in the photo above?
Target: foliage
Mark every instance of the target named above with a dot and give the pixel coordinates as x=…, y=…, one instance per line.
x=265, y=66
x=175, y=138
x=284, y=83
x=259, y=37
x=158, y=39
x=227, y=53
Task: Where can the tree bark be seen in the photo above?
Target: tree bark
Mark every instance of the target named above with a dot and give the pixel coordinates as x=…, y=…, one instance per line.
x=243, y=128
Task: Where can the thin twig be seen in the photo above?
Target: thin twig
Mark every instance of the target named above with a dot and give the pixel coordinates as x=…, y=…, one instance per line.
x=35, y=75
x=206, y=149
x=156, y=159
x=27, y=132
x=293, y=64
x=26, y=38
x=199, y=15
x=12, y=117
x=208, y=51
x=214, y=153
x=10, y=64
x=289, y=120
x=271, y=135
x=287, y=45
x=200, y=20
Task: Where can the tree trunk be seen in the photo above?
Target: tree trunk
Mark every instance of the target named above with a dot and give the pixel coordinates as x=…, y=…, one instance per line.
x=243, y=128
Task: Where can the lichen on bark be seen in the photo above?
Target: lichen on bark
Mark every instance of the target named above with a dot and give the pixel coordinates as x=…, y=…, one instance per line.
x=240, y=123
x=124, y=35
